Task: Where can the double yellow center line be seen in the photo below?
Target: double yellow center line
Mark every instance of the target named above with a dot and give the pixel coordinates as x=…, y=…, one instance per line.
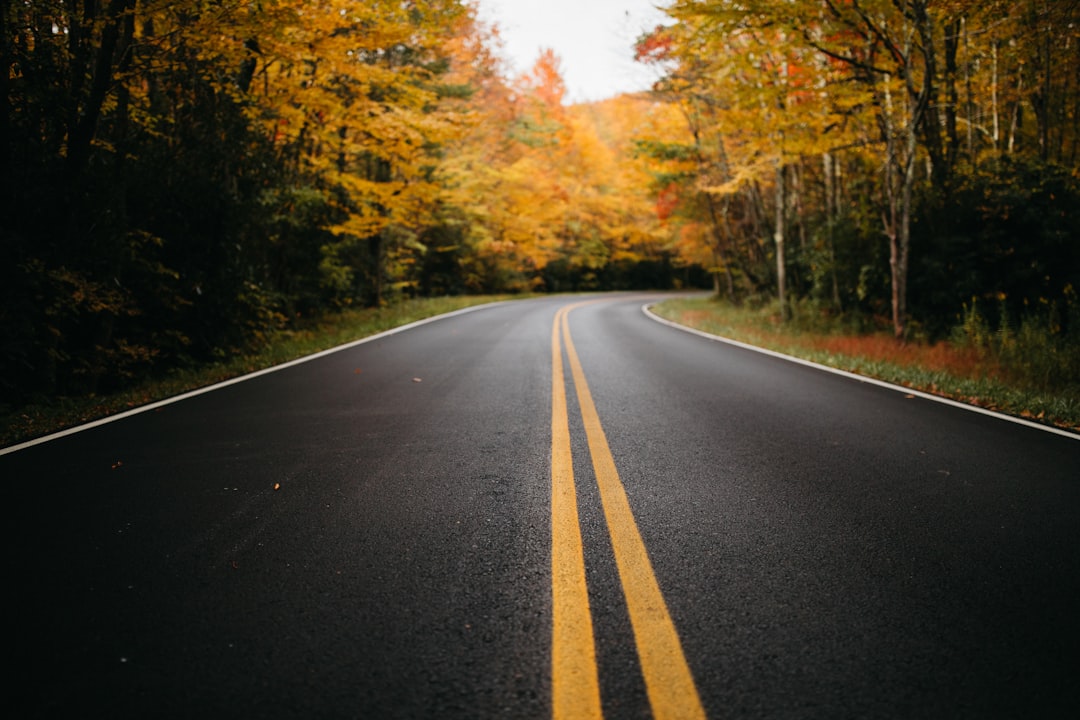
x=575, y=678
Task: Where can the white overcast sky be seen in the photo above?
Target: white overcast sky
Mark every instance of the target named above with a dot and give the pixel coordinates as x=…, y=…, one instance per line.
x=594, y=38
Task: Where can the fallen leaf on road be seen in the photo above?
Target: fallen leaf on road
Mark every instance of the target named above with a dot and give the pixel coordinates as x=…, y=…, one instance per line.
x=417, y=380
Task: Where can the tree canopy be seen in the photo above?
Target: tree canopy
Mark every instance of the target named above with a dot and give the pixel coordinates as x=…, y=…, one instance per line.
x=181, y=179
x=857, y=129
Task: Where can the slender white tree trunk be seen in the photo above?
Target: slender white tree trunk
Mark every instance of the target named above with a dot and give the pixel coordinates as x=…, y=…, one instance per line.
x=778, y=237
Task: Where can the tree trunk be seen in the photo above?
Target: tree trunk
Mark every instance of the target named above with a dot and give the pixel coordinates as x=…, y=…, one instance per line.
x=830, y=224
x=903, y=249
x=952, y=96
x=969, y=97
x=778, y=238
x=994, y=93
x=890, y=221
x=82, y=133
x=718, y=250
x=1017, y=113
x=924, y=94
x=896, y=217
x=375, y=245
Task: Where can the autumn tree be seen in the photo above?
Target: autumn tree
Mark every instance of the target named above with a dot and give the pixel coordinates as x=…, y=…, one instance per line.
x=757, y=106
x=906, y=99
x=219, y=167
x=553, y=197
x=106, y=267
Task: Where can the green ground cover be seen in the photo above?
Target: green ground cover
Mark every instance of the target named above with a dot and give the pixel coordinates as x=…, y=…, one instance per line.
x=997, y=376
x=48, y=415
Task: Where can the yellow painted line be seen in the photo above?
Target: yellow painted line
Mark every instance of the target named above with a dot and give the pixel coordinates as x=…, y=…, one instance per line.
x=575, y=684
x=668, y=681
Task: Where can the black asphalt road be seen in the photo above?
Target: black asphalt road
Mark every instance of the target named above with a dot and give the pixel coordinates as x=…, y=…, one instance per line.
x=368, y=535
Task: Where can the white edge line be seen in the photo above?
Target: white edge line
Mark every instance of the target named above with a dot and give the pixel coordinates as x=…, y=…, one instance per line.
x=239, y=379
x=861, y=378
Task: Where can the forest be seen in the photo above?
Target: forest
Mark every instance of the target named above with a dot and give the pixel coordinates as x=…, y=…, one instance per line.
x=183, y=178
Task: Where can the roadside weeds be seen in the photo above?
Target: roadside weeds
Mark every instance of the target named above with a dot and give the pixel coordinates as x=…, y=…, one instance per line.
x=957, y=373
x=49, y=415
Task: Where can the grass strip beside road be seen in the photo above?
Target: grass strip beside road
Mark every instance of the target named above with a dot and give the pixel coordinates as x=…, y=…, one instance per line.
x=49, y=415
x=958, y=373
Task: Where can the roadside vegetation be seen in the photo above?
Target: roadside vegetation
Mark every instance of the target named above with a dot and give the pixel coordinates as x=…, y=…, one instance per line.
x=46, y=415
x=1023, y=370
x=190, y=185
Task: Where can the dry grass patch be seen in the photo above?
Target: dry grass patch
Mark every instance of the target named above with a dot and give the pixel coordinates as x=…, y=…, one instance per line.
x=938, y=357
x=967, y=374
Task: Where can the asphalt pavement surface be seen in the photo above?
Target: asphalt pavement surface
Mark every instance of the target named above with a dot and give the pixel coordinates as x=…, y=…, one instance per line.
x=369, y=534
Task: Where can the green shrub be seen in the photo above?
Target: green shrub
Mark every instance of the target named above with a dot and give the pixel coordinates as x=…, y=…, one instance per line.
x=1040, y=349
